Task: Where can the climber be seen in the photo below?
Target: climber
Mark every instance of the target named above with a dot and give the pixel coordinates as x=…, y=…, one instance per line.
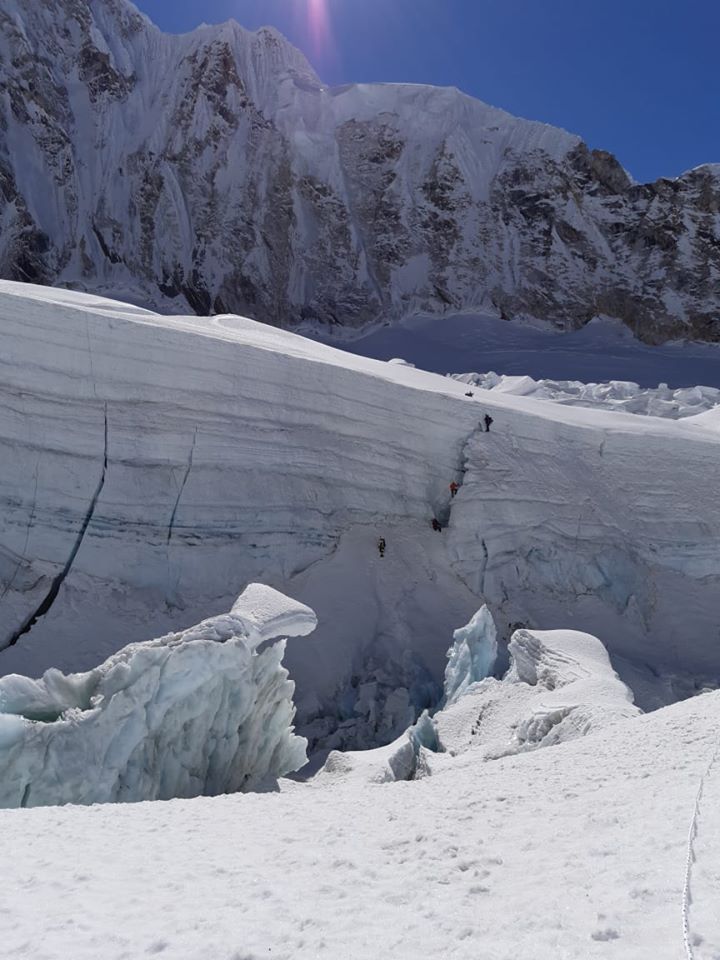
x=381, y=546
x=488, y=421
x=469, y=394
x=454, y=487
x=436, y=525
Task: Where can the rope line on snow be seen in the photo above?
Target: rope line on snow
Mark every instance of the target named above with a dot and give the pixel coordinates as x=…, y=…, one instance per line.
x=690, y=859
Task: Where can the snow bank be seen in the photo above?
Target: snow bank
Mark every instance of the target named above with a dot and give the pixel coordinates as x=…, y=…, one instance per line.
x=578, y=852
x=560, y=686
x=623, y=395
x=404, y=759
x=201, y=712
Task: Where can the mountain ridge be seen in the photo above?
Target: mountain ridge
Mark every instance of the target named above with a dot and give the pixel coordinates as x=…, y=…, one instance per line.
x=214, y=171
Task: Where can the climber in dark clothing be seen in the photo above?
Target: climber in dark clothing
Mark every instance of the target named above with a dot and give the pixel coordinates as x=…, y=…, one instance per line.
x=436, y=525
x=488, y=421
x=381, y=546
x=454, y=487
x=469, y=394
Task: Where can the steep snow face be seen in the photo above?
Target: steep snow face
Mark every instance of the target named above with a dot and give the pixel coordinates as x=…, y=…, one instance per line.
x=567, y=520
x=230, y=453
x=152, y=465
x=214, y=172
x=200, y=712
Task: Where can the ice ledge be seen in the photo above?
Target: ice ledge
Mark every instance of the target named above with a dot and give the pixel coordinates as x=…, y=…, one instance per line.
x=266, y=613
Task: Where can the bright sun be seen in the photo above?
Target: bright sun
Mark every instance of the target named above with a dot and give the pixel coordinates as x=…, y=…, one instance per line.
x=319, y=23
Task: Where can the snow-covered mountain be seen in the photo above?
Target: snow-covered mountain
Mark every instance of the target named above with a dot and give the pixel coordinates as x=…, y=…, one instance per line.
x=214, y=172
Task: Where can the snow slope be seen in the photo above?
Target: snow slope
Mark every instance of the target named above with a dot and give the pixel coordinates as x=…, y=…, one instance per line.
x=196, y=713
x=577, y=851
x=153, y=466
x=214, y=172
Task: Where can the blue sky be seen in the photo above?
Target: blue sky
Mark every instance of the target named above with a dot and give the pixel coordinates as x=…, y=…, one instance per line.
x=637, y=77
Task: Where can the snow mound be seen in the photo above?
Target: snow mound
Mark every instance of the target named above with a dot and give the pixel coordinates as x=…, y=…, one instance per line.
x=560, y=686
x=623, y=395
x=200, y=712
x=406, y=758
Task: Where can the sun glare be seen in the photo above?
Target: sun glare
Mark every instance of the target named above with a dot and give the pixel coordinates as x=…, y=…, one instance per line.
x=319, y=24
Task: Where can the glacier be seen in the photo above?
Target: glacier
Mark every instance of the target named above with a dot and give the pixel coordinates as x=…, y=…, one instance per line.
x=579, y=849
x=202, y=712
x=600, y=352
x=560, y=685
x=231, y=453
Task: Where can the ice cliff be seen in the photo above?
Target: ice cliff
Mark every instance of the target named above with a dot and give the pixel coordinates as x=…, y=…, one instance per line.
x=197, y=713
x=214, y=172
x=150, y=464
x=472, y=656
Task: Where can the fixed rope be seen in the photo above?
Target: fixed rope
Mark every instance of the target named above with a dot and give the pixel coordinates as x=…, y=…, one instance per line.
x=690, y=860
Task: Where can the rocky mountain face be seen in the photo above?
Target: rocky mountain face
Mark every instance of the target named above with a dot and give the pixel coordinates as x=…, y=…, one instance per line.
x=215, y=172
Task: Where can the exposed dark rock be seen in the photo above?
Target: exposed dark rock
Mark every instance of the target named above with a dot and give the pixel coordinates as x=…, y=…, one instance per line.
x=214, y=172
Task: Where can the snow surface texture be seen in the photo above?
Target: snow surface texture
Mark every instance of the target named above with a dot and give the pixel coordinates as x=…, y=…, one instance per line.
x=223, y=176
x=578, y=851
x=152, y=465
x=201, y=712
x=616, y=395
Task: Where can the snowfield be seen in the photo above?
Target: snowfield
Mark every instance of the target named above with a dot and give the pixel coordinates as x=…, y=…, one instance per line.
x=153, y=466
x=578, y=851
x=602, y=351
